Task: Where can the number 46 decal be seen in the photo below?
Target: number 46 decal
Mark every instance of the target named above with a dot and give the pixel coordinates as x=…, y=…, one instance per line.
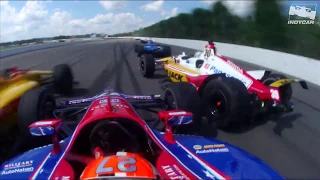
x=128, y=164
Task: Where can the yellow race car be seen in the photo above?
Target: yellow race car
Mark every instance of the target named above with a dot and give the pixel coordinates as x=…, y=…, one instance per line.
x=14, y=83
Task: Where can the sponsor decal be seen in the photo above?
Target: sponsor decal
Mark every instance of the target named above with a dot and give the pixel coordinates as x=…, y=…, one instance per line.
x=18, y=164
x=18, y=167
x=139, y=97
x=114, y=94
x=62, y=178
x=121, y=105
x=174, y=75
x=247, y=83
x=206, y=66
x=97, y=107
x=213, y=150
x=115, y=100
x=197, y=147
x=43, y=123
x=174, y=172
x=235, y=66
x=103, y=101
x=18, y=170
x=214, y=146
x=80, y=101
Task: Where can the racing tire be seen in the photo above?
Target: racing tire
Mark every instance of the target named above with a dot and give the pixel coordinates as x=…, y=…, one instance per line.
x=37, y=104
x=147, y=65
x=138, y=48
x=166, y=52
x=184, y=96
x=285, y=91
x=63, y=79
x=226, y=101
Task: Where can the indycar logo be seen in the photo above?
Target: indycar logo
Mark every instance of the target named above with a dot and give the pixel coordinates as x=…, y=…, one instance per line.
x=174, y=75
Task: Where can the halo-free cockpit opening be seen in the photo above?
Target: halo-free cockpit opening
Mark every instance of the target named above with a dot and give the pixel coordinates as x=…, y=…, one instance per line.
x=111, y=136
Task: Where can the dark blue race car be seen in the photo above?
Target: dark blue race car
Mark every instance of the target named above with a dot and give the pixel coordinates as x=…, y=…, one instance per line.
x=149, y=47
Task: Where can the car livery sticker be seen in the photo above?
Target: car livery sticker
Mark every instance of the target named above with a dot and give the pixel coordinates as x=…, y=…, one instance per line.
x=246, y=81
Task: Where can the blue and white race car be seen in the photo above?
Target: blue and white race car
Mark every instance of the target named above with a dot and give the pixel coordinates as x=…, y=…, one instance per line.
x=149, y=47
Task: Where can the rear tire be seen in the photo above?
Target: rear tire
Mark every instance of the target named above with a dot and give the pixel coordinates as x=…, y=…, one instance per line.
x=166, y=52
x=37, y=104
x=138, y=49
x=63, y=79
x=226, y=101
x=184, y=96
x=147, y=65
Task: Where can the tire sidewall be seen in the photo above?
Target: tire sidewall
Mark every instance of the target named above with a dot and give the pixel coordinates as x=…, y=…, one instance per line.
x=63, y=79
x=237, y=101
x=148, y=63
x=28, y=113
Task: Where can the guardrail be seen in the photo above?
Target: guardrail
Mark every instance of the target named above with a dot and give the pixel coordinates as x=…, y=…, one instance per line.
x=294, y=65
x=20, y=50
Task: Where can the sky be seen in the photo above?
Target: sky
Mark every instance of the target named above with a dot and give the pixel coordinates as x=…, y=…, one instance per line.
x=47, y=18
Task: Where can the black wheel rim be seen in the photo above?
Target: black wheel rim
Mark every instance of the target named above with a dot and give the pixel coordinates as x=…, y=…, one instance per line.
x=217, y=105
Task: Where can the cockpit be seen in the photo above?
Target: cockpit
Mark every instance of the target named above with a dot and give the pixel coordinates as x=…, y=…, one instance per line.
x=106, y=138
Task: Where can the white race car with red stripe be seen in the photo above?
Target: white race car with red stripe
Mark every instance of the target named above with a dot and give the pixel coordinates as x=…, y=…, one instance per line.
x=216, y=77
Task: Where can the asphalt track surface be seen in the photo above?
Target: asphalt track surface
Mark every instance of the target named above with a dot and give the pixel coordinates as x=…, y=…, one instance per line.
x=289, y=144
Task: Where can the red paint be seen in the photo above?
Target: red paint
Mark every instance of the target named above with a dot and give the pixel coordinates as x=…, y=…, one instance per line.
x=197, y=81
x=168, y=136
x=65, y=170
x=258, y=87
x=262, y=90
x=121, y=109
x=210, y=46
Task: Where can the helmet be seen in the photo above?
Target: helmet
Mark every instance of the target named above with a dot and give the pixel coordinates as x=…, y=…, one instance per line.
x=122, y=165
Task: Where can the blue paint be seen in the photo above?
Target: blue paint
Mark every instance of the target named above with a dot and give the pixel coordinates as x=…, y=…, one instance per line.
x=179, y=120
x=151, y=47
x=42, y=131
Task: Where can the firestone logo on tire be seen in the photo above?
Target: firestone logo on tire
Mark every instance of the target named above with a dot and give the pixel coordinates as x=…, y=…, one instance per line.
x=302, y=14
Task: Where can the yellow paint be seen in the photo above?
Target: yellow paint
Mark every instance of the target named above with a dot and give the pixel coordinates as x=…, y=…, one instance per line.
x=11, y=91
x=177, y=76
x=282, y=82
